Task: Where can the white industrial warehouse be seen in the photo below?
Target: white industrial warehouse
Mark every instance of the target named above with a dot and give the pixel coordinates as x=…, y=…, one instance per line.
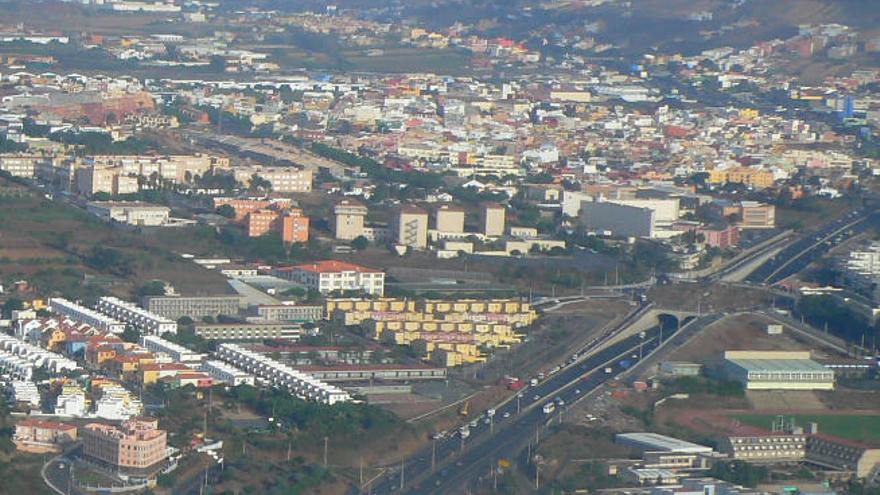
x=777, y=370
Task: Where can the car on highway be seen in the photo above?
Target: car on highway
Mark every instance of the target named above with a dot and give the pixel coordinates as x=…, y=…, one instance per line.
x=505, y=415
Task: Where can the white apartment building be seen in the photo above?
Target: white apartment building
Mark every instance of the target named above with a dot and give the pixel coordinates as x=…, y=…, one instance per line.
x=279, y=374
x=176, y=352
x=283, y=179
x=71, y=403
x=140, y=318
x=226, y=373
x=81, y=313
x=24, y=392
x=21, y=165
x=117, y=404
x=330, y=275
x=865, y=262
x=130, y=212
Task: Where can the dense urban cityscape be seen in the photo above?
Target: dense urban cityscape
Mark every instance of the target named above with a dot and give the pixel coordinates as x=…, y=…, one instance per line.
x=439, y=247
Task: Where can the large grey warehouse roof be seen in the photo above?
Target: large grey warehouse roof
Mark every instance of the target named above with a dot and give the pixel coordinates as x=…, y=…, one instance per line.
x=653, y=442
x=779, y=365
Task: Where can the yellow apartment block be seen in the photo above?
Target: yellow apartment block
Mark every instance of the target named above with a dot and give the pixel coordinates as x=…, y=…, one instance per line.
x=359, y=317
x=444, y=357
x=356, y=311
x=742, y=175
x=506, y=306
x=489, y=333
x=386, y=304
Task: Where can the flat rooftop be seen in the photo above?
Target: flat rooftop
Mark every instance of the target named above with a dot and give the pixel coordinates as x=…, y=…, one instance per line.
x=779, y=365
x=654, y=442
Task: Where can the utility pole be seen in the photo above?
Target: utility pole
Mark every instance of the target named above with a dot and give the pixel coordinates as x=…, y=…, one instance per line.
x=325, y=452
x=361, y=474
x=537, y=482
x=517, y=402
x=402, y=469
x=434, y=454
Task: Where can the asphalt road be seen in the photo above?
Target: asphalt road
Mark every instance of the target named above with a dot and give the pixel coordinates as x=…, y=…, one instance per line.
x=458, y=463
x=800, y=254
x=56, y=474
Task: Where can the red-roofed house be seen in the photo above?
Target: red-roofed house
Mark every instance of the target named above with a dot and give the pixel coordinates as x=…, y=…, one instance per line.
x=37, y=436
x=331, y=275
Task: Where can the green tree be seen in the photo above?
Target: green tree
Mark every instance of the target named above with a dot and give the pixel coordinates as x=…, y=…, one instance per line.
x=360, y=243
x=226, y=211
x=12, y=304
x=152, y=288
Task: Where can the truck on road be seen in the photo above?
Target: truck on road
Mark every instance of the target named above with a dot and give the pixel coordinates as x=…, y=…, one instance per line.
x=549, y=407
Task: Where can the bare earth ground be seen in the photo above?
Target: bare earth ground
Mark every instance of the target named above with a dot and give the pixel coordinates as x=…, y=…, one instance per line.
x=745, y=332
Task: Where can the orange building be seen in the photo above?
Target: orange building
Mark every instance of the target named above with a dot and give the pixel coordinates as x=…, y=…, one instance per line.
x=261, y=216
x=291, y=224
x=244, y=206
x=137, y=446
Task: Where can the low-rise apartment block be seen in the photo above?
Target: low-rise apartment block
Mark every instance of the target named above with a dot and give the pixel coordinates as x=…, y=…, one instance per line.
x=290, y=312
x=248, y=331
x=176, y=307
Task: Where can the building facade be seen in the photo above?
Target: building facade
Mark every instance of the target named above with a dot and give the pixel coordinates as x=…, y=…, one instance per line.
x=130, y=212
x=348, y=219
x=331, y=275
x=176, y=307
x=136, y=446
x=248, y=331
x=411, y=227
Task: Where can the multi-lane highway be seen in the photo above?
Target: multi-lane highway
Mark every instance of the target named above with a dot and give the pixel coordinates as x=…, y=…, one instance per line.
x=452, y=463
x=798, y=255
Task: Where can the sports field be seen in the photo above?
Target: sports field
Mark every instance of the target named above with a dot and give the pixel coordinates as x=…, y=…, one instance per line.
x=854, y=427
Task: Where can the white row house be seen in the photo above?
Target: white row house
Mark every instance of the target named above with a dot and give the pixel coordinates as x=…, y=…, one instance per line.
x=279, y=374
x=81, y=313
x=38, y=356
x=226, y=373
x=176, y=352
x=15, y=367
x=139, y=318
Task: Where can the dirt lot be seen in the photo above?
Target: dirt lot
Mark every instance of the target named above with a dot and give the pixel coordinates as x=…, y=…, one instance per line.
x=746, y=332
x=718, y=297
